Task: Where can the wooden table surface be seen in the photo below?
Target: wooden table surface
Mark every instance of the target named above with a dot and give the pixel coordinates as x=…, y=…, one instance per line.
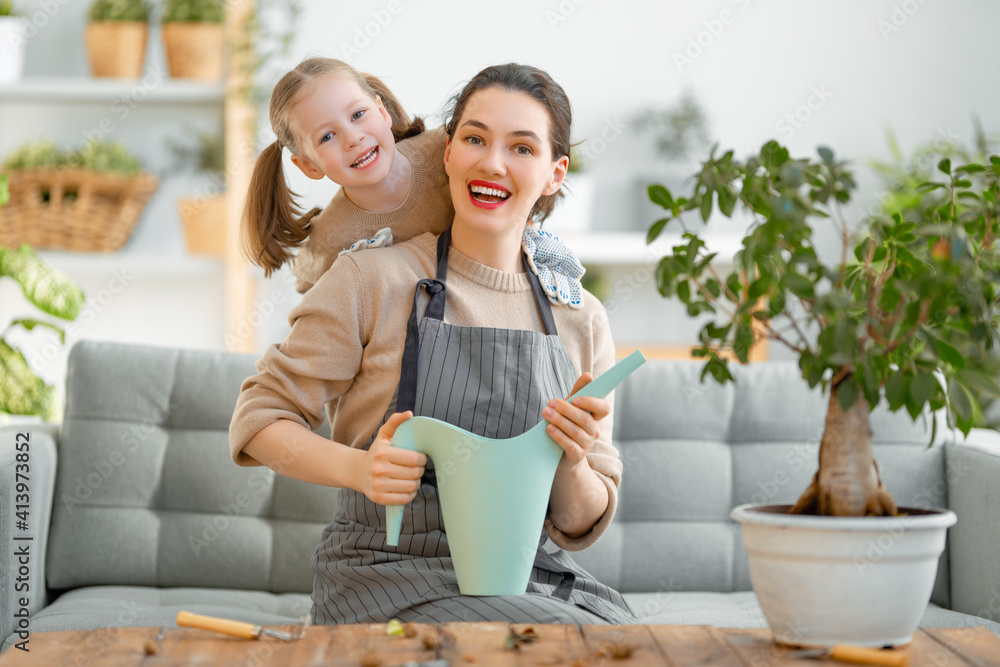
x=473, y=644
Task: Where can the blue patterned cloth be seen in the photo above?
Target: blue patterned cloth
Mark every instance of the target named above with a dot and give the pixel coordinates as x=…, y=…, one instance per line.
x=557, y=268
x=382, y=239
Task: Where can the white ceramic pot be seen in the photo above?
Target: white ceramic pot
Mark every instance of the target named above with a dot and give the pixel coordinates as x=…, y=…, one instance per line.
x=12, y=41
x=574, y=212
x=843, y=580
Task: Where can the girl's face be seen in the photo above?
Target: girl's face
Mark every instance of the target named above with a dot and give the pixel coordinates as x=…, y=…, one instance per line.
x=499, y=161
x=343, y=133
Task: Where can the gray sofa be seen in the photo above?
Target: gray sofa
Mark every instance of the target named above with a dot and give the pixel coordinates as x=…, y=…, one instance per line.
x=136, y=510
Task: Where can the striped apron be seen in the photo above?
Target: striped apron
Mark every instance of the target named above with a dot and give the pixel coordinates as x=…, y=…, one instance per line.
x=492, y=382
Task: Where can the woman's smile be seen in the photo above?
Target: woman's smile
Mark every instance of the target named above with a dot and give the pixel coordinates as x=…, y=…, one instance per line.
x=488, y=195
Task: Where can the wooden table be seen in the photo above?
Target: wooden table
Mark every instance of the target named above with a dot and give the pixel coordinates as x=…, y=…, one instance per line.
x=472, y=644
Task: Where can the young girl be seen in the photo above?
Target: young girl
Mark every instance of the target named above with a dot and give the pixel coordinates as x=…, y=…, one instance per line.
x=344, y=125
x=451, y=327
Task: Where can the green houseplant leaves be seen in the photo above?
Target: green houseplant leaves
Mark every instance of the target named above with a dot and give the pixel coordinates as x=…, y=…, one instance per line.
x=881, y=318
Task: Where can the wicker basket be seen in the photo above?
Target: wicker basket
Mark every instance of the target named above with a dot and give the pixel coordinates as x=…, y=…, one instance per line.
x=194, y=50
x=117, y=48
x=73, y=209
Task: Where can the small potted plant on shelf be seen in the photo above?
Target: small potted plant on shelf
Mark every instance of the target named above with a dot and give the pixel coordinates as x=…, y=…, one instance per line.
x=117, y=32
x=880, y=322
x=204, y=214
x=193, y=38
x=22, y=391
x=87, y=200
x=12, y=41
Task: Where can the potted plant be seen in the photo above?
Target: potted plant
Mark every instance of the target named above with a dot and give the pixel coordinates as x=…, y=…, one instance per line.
x=117, y=32
x=193, y=38
x=12, y=42
x=877, y=323
x=22, y=391
x=85, y=200
x=203, y=216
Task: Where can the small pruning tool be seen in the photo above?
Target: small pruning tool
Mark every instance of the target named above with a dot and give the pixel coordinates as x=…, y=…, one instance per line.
x=856, y=654
x=237, y=628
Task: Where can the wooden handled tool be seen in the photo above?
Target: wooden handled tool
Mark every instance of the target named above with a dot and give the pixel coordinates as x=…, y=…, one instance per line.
x=856, y=654
x=228, y=627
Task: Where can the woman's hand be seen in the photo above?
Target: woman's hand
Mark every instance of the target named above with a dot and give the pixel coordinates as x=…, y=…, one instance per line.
x=574, y=426
x=391, y=475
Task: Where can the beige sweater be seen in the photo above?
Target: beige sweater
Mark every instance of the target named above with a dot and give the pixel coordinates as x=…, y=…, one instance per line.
x=346, y=343
x=427, y=208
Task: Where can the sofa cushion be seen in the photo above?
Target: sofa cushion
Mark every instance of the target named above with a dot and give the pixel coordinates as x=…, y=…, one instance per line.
x=146, y=493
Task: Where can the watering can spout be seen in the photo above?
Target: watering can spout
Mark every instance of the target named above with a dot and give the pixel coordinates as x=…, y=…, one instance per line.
x=441, y=442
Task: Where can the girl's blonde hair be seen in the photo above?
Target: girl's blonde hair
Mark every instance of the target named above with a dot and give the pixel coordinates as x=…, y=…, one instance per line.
x=271, y=223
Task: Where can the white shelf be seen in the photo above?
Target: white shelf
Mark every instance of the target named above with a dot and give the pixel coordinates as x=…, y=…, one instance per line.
x=629, y=248
x=149, y=88
x=142, y=265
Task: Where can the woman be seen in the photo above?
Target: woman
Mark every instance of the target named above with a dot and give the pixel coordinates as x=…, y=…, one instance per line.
x=484, y=351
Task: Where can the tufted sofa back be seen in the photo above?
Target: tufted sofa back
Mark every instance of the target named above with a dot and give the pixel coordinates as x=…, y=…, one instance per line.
x=146, y=493
x=693, y=450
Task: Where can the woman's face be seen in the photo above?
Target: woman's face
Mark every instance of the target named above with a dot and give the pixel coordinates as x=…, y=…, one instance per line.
x=342, y=132
x=499, y=161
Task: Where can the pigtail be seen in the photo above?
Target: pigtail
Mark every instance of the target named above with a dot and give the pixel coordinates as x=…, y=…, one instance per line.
x=402, y=126
x=270, y=225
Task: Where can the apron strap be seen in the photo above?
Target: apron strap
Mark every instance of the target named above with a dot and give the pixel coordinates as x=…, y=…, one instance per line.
x=545, y=561
x=544, y=309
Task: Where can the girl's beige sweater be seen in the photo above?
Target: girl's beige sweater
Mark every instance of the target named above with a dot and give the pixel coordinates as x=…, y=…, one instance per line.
x=427, y=208
x=346, y=343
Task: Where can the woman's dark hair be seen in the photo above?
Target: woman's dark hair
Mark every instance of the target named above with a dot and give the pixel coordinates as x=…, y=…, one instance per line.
x=539, y=86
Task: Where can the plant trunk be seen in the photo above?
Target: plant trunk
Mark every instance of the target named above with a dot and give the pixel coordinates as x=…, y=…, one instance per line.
x=849, y=479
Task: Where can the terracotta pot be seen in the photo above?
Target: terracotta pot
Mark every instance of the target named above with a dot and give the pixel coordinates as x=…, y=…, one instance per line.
x=194, y=50
x=204, y=221
x=825, y=580
x=117, y=48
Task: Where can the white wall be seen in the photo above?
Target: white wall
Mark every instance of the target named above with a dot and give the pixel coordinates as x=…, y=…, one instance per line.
x=923, y=68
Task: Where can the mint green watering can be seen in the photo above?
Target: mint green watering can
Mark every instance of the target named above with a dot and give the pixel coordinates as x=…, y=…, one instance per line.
x=493, y=493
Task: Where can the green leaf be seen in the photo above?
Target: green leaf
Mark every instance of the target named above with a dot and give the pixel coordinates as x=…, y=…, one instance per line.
x=944, y=166
x=949, y=354
x=735, y=286
x=727, y=200
x=799, y=285
x=660, y=196
x=776, y=304
x=847, y=392
x=759, y=288
x=923, y=387
x=684, y=291
x=825, y=154
x=45, y=287
x=743, y=341
x=961, y=400
x=655, y=229
x=896, y=389
x=706, y=205
x=30, y=323
x=980, y=382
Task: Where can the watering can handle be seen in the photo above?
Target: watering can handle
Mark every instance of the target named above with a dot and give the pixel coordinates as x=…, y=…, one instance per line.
x=599, y=388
